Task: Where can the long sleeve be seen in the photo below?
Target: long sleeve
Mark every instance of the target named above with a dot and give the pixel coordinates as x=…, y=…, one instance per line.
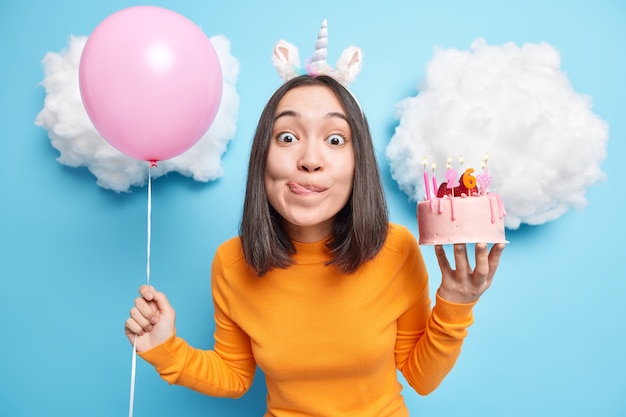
x=226, y=371
x=201, y=370
x=428, y=341
x=430, y=355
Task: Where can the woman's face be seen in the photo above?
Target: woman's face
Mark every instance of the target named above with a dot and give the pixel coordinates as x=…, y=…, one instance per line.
x=310, y=164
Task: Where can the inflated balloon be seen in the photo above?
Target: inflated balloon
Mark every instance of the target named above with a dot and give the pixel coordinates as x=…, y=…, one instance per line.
x=151, y=82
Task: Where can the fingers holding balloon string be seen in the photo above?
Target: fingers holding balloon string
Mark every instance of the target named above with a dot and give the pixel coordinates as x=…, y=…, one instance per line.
x=137, y=324
x=146, y=309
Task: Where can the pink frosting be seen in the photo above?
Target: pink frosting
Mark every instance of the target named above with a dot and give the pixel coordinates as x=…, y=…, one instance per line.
x=477, y=218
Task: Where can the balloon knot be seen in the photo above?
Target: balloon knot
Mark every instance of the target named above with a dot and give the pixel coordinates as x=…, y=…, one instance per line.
x=153, y=164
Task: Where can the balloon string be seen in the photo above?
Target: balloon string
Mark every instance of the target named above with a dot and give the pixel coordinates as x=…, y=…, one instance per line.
x=149, y=220
x=133, y=371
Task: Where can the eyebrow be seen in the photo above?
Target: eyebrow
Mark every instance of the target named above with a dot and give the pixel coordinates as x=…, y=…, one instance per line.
x=292, y=113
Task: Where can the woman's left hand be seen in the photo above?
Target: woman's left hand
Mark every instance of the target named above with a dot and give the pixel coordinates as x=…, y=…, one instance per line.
x=464, y=284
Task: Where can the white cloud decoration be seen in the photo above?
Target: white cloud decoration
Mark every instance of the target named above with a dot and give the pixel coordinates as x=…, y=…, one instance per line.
x=545, y=144
x=72, y=133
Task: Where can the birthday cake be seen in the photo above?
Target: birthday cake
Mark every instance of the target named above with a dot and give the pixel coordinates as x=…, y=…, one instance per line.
x=461, y=210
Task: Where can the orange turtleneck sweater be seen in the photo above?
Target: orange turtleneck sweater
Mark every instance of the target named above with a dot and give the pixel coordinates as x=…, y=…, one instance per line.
x=328, y=343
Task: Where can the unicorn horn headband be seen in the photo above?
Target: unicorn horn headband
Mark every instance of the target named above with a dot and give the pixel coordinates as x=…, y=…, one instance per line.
x=287, y=61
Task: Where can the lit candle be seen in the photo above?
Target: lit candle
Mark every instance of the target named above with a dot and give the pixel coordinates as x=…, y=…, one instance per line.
x=433, y=166
x=426, y=183
x=451, y=176
x=484, y=179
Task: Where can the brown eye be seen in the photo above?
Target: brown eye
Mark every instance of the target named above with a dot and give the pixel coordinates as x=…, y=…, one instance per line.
x=336, y=140
x=287, y=138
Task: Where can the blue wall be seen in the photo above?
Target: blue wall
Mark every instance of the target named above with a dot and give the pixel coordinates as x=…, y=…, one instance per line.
x=549, y=335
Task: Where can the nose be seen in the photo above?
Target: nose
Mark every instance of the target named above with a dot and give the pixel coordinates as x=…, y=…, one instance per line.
x=311, y=159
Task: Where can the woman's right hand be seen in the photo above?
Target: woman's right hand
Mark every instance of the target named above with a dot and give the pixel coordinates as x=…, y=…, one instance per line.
x=152, y=320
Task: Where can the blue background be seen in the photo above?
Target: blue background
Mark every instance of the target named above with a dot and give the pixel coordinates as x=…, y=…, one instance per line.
x=550, y=334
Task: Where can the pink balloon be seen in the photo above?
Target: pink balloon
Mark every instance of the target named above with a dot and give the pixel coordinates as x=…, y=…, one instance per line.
x=151, y=82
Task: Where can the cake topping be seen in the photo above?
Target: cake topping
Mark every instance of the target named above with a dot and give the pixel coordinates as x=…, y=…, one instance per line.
x=458, y=186
x=465, y=186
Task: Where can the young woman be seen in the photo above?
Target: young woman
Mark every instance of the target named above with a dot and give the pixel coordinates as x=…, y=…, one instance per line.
x=319, y=290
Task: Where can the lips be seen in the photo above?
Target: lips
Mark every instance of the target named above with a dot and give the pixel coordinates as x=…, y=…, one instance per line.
x=305, y=189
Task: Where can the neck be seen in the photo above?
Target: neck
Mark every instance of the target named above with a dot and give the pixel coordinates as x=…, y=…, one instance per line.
x=310, y=234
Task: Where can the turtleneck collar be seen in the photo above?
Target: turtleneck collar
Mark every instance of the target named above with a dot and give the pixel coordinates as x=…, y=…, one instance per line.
x=308, y=253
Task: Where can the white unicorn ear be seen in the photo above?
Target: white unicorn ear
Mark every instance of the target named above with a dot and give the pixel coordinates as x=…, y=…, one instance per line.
x=285, y=59
x=349, y=65
x=287, y=62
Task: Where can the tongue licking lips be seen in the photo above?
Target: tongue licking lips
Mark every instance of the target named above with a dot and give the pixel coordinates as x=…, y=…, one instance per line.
x=304, y=189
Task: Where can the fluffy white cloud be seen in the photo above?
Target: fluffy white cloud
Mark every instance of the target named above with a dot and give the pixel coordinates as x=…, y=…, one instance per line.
x=544, y=142
x=71, y=132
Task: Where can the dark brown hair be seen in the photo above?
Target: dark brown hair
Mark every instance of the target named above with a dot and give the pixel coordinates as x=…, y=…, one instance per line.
x=360, y=227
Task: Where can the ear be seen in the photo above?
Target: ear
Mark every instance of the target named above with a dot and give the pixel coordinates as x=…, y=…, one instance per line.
x=285, y=59
x=349, y=64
